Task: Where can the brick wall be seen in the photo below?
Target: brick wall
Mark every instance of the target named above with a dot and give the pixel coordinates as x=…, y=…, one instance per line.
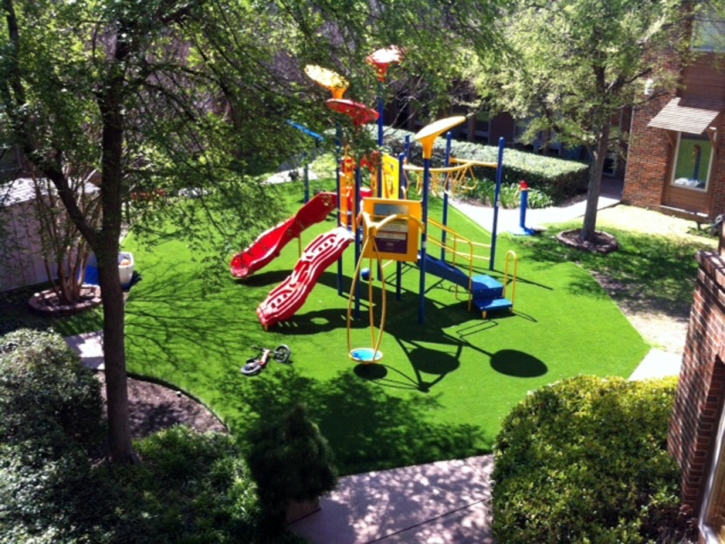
x=701, y=391
x=647, y=158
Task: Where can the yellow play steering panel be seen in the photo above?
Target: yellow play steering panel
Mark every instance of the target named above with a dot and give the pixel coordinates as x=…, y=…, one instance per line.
x=397, y=239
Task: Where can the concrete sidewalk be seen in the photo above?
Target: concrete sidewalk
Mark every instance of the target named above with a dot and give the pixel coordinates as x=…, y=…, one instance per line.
x=442, y=502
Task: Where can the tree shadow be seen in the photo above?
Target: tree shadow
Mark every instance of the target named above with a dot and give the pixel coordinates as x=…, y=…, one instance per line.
x=649, y=273
x=519, y=364
x=367, y=428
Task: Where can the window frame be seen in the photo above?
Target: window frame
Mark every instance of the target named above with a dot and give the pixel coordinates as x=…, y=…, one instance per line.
x=716, y=471
x=676, y=157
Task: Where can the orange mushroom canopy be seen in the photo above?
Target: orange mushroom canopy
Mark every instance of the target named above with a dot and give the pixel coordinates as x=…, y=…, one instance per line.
x=359, y=113
x=383, y=58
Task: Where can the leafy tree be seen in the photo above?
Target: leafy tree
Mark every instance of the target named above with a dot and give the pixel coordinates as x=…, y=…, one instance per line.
x=573, y=65
x=165, y=95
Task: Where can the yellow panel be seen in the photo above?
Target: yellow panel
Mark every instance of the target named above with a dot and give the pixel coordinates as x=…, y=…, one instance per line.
x=391, y=176
x=399, y=239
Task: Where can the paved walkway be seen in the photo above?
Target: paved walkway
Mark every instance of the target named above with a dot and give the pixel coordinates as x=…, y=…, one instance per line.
x=443, y=502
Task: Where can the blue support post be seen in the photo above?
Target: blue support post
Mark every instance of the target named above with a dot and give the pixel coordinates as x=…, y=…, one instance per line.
x=356, y=232
x=401, y=194
x=339, y=198
x=446, y=187
x=307, y=177
x=499, y=180
x=381, y=109
x=423, y=240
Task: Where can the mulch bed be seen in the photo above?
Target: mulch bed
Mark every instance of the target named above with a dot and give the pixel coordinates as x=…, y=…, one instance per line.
x=603, y=241
x=153, y=407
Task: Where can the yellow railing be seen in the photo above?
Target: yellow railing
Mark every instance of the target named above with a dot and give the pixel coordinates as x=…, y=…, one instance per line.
x=464, y=258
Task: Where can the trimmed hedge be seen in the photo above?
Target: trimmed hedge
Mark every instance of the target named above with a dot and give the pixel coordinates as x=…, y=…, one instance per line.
x=585, y=460
x=558, y=178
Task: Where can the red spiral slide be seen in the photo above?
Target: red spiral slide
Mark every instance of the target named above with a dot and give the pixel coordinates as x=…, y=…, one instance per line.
x=289, y=296
x=268, y=245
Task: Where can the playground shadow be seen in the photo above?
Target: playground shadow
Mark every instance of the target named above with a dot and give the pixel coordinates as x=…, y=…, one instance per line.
x=519, y=364
x=367, y=428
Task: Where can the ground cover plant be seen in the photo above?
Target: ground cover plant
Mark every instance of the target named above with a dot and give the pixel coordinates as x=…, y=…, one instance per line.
x=54, y=487
x=585, y=460
x=443, y=387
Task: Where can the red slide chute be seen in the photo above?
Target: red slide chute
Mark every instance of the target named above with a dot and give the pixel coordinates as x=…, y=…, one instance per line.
x=289, y=296
x=268, y=245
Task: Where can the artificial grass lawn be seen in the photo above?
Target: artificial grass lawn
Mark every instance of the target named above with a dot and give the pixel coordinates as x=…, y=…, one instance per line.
x=441, y=390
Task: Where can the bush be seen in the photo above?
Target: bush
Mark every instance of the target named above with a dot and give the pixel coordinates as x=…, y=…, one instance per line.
x=45, y=389
x=557, y=178
x=50, y=417
x=290, y=461
x=585, y=460
x=190, y=488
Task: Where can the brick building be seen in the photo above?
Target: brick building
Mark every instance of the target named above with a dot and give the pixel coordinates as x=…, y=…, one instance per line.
x=697, y=430
x=676, y=159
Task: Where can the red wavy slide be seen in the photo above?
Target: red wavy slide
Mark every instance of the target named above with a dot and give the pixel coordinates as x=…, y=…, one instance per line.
x=289, y=296
x=268, y=245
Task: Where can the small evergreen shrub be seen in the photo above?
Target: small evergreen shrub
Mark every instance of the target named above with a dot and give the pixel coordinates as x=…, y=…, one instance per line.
x=290, y=460
x=557, y=178
x=190, y=488
x=585, y=460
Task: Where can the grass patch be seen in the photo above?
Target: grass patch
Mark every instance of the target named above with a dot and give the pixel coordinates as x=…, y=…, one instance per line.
x=442, y=389
x=650, y=272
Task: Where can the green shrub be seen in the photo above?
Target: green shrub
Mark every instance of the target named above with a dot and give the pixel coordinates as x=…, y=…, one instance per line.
x=290, y=460
x=557, y=178
x=509, y=197
x=50, y=417
x=190, y=488
x=585, y=460
x=44, y=388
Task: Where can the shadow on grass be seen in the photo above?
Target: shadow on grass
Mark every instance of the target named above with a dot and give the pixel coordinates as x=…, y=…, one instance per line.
x=517, y=363
x=648, y=273
x=367, y=428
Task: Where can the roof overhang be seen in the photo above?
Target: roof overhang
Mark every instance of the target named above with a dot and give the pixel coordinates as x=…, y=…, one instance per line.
x=690, y=115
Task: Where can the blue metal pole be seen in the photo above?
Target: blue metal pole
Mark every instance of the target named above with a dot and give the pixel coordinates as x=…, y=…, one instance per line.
x=407, y=146
x=339, y=199
x=499, y=180
x=524, y=205
x=446, y=187
x=424, y=241
x=356, y=211
x=401, y=193
x=307, y=178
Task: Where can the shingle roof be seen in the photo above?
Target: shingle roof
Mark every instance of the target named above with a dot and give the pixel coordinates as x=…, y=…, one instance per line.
x=689, y=115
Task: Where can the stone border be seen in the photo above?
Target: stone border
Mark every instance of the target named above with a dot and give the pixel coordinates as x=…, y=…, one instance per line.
x=608, y=246
x=90, y=298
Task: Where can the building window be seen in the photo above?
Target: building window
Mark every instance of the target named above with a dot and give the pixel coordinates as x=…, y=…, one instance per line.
x=693, y=161
x=709, y=32
x=712, y=515
x=482, y=127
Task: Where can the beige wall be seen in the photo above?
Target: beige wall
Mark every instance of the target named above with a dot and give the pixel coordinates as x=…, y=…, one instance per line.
x=21, y=258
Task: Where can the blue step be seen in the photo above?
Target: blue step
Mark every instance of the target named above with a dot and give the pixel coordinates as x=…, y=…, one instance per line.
x=492, y=304
x=483, y=286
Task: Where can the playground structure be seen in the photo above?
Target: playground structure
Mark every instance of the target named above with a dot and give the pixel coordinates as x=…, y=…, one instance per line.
x=385, y=225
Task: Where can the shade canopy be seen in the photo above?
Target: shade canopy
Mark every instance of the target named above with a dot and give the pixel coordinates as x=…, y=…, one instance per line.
x=689, y=115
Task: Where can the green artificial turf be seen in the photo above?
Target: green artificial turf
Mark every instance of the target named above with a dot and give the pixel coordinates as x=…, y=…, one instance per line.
x=442, y=388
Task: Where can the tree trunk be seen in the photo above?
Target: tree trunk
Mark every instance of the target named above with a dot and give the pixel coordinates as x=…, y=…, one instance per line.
x=595, y=185
x=110, y=103
x=114, y=353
